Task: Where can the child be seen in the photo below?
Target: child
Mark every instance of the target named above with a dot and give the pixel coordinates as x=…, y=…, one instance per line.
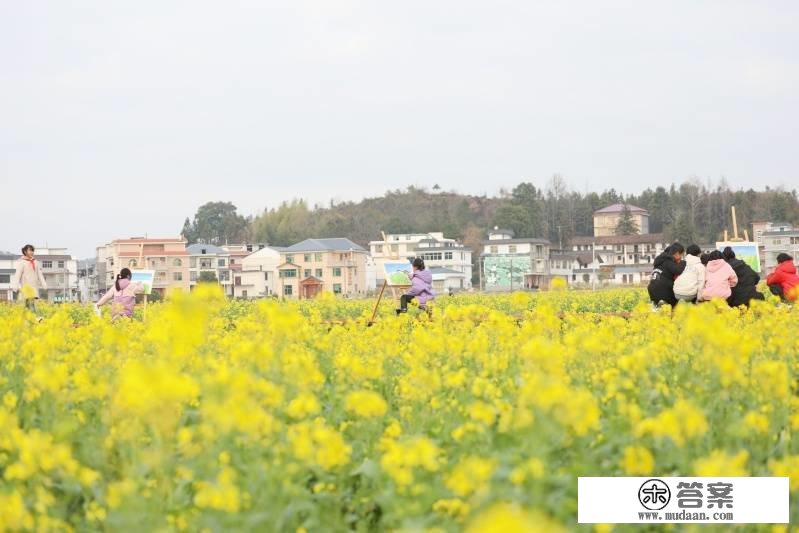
x=746, y=288
x=719, y=278
x=29, y=279
x=784, y=282
x=668, y=266
x=688, y=285
x=124, y=295
x=421, y=287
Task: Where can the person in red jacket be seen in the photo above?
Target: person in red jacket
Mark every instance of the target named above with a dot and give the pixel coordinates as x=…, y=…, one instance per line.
x=784, y=282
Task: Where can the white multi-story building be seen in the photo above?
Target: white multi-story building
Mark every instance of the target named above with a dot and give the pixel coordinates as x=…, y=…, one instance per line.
x=615, y=259
x=7, y=267
x=256, y=278
x=508, y=263
x=436, y=250
x=212, y=259
x=60, y=272
x=776, y=242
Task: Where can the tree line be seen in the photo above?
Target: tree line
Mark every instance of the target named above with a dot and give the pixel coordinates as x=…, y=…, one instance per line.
x=689, y=212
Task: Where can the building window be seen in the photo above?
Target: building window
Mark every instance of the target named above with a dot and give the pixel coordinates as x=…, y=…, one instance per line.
x=60, y=264
x=205, y=263
x=539, y=249
x=318, y=272
x=221, y=262
x=243, y=294
x=161, y=275
x=5, y=278
x=337, y=288
x=193, y=275
x=288, y=273
x=193, y=262
x=777, y=241
x=794, y=240
x=495, y=249
x=290, y=258
x=224, y=275
x=111, y=262
x=177, y=276
x=288, y=290
x=336, y=272
x=132, y=263
x=512, y=249
x=237, y=280
x=266, y=276
x=306, y=258
x=379, y=248
x=47, y=264
x=447, y=255
x=306, y=273
x=317, y=257
x=620, y=258
x=177, y=263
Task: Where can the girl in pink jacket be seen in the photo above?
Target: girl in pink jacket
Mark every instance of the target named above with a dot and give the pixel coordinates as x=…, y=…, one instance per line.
x=719, y=277
x=123, y=293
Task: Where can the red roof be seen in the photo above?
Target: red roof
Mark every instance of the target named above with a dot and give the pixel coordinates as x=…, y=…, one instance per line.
x=157, y=253
x=148, y=239
x=618, y=208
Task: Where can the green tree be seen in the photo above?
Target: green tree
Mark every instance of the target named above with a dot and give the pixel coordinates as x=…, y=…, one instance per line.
x=207, y=276
x=217, y=223
x=626, y=225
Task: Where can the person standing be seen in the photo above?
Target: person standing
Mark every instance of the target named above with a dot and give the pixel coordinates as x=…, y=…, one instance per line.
x=28, y=279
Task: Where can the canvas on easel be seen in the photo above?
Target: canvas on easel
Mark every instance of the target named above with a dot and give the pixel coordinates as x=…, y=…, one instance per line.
x=397, y=279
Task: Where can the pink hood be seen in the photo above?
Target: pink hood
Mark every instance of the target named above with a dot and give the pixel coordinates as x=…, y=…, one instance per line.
x=719, y=280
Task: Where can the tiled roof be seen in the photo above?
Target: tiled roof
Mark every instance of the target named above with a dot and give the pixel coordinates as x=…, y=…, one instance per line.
x=618, y=208
x=210, y=249
x=336, y=244
x=158, y=253
x=646, y=238
x=138, y=240
x=531, y=240
x=444, y=270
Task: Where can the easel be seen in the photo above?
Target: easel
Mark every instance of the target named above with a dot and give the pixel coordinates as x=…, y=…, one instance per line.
x=736, y=238
x=396, y=290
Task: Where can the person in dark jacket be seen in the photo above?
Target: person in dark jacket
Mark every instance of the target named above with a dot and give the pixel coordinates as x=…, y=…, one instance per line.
x=746, y=288
x=668, y=266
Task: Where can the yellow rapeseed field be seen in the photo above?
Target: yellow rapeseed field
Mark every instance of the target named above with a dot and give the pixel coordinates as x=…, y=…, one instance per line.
x=266, y=416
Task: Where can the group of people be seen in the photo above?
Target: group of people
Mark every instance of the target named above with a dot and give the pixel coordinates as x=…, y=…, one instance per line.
x=28, y=281
x=681, y=275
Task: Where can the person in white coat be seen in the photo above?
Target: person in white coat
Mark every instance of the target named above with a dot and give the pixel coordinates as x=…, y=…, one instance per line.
x=688, y=285
x=28, y=278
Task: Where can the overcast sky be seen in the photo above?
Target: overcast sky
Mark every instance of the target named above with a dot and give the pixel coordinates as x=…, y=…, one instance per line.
x=120, y=118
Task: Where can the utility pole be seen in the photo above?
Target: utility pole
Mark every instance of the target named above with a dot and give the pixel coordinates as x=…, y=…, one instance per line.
x=593, y=265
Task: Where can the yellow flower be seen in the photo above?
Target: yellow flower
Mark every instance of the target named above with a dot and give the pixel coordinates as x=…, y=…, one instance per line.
x=366, y=404
x=509, y=518
x=471, y=474
x=720, y=463
x=637, y=461
x=303, y=406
